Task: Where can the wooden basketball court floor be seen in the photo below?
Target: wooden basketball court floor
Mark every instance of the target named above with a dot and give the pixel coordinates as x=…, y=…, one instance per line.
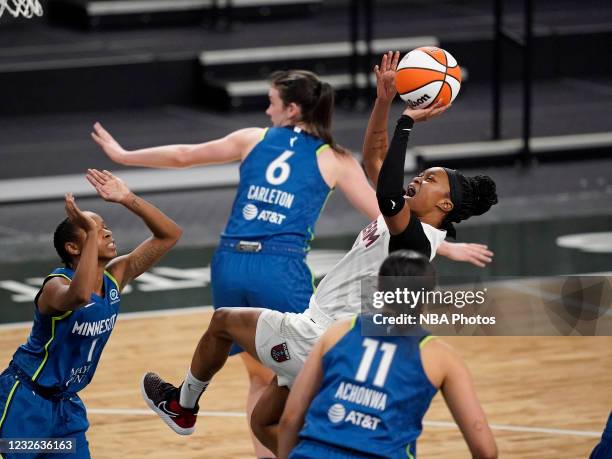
x=546, y=397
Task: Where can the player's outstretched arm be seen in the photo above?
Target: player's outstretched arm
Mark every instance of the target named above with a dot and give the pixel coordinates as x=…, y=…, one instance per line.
x=165, y=231
x=460, y=396
x=376, y=139
x=476, y=254
x=233, y=147
x=60, y=294
x=354, y=184
x=390, y=186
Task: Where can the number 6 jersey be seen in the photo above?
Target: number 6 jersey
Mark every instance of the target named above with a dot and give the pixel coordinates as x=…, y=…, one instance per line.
x=281, y=191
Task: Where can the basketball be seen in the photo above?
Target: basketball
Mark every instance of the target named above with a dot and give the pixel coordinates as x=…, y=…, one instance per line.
x=426, y=75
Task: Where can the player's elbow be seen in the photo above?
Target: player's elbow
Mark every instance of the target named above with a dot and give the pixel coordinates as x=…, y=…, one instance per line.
x=289, y=422
x=183, y=156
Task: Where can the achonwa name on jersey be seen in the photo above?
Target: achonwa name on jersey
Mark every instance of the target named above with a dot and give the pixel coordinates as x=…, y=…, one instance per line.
x=94, y=328
x=270, y=196
x=361, y=395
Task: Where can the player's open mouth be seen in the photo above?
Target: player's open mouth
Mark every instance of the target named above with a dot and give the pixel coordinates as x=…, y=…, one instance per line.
x=111, y=245
x=411, y=191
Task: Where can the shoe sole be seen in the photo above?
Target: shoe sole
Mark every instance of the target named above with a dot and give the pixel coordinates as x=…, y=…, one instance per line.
x=164, y=417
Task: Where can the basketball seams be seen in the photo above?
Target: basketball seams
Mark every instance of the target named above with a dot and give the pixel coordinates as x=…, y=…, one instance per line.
x=422, y=68
x=426, y=68
x=422, y=86
x=436, y=96
x=451, y=88
x=448, y=55
x=432, y=54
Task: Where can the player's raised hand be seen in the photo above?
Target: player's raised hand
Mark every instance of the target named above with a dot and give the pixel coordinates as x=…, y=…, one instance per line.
x=77, y=216
x=385, y=76
x=109, y=187
x=424, y=114
x=108, y=144
x=476, y=254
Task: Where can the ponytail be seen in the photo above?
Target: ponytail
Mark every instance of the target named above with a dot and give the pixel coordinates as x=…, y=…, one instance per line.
x=315, y=98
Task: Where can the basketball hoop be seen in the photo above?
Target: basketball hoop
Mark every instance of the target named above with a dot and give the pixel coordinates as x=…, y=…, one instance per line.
x=25, y=8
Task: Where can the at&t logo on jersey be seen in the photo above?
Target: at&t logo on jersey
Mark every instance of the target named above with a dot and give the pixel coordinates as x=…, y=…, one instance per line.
x=337, y=414
x=249, y=212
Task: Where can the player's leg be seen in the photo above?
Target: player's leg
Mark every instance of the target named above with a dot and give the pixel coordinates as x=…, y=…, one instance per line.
x=259, y=379
x=228, y=325
x=288, y=288
x=267, y=414
x=72, y=424
x=604, y=449
x=23, y=414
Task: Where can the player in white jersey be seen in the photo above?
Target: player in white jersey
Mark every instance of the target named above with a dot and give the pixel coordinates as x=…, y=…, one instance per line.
x=282, y=341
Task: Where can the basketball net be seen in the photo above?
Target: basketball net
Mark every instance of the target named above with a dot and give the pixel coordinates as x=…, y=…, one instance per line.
x=25, y=8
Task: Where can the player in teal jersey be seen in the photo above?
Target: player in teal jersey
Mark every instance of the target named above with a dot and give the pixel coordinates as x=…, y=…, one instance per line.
x=360, y=397
x=75, y=312
x=286, y=173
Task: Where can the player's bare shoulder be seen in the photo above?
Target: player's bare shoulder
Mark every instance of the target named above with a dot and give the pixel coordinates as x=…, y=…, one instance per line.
x=437, y=357
x=247, y=138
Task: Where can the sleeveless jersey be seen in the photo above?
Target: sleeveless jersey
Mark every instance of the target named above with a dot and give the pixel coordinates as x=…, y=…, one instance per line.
x=63, y=351
x=281, y=191
x=339, y=293
x=373, y=396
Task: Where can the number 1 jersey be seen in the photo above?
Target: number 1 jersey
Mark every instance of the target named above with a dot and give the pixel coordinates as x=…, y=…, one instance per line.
x=281, y=191
x=63, y=351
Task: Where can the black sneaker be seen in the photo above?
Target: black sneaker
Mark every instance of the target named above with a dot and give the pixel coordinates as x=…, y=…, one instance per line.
x=163, y=398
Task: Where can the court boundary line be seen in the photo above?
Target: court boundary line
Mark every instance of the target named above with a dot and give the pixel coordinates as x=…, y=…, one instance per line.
x=440, y=424
x=133, y=315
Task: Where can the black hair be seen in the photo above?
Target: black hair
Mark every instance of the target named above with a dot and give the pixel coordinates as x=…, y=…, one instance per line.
x=475, y=196
x=315, y=98
x=65, y=232
x=406, y=269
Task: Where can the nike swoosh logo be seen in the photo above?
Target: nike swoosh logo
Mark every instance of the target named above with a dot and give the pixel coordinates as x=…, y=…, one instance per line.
x=406, y=129
x=162, y=406
x=392, y=202
x=88, y=305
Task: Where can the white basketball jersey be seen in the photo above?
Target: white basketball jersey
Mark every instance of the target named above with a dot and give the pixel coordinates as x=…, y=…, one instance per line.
x=339, y=293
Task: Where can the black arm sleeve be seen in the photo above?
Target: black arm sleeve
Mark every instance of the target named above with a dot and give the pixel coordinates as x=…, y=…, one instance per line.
x=412, y=238
x=390, y=188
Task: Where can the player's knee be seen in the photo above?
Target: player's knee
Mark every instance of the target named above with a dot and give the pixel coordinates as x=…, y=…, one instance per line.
x=260, y=426
x=220, y=317
x=220, y=321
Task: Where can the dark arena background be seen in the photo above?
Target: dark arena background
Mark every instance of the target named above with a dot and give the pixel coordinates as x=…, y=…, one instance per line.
x=534, y=113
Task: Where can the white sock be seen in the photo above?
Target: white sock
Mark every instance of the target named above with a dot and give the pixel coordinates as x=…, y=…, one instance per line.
x=191, y=390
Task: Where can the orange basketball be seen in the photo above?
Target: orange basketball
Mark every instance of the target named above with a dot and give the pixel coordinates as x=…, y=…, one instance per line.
x=426, y=75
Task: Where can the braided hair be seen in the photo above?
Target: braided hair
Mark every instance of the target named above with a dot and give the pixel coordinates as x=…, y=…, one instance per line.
x=65, y=232
x=470, y=196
